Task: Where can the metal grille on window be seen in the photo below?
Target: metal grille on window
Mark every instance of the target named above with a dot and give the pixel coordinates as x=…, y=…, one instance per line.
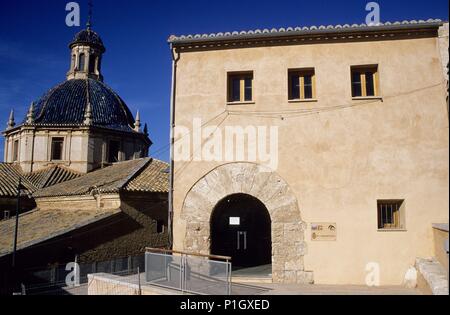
x=389, y=215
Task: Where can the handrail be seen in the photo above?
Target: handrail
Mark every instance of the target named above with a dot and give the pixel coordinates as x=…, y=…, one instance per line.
x=161, y=250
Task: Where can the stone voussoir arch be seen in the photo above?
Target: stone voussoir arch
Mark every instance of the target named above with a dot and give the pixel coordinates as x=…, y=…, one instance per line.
x=288, y=245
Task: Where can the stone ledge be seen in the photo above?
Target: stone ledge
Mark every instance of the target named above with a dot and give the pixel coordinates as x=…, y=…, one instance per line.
x=441, y=226
x=434, y=275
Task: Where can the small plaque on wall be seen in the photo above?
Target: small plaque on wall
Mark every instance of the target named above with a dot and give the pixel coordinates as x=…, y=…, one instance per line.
x=324, y=232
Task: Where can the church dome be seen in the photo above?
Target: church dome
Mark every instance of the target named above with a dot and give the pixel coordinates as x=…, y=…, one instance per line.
x=89, y=37
x=66, y=105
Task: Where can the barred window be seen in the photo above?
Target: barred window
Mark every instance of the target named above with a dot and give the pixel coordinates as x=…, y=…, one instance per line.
x=390, y=214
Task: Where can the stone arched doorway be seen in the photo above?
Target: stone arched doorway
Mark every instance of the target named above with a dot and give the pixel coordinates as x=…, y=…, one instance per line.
x=260, y=182
x=241, y=228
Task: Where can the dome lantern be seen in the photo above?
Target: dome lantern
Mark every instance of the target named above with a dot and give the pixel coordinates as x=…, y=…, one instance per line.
x=86, y=53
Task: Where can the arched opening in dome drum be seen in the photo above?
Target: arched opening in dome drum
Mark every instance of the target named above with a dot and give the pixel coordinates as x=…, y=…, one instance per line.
x=114, y=151
x=72, y=62
x=82, y=62
x=241, y=229
x=92, y=61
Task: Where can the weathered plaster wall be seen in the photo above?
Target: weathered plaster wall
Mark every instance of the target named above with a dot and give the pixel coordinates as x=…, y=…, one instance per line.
x=342, y=155
x=443, y=48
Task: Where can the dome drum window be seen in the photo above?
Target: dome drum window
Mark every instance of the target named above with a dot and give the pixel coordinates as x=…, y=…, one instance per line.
x=81, y=62
x=57, y=148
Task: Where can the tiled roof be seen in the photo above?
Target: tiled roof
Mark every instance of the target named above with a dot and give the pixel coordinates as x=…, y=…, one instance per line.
x=41, y=225
x=153, y=178
x=65, y=105
x=87, y=36
x=9, y=179
x=10, y=174
x=112, y=179
x=51, y=176
x=289, y=31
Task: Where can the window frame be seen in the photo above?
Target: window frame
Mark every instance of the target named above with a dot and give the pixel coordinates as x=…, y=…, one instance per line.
x=15, y=150
x=242, y=76
x=119, y=151
x=301, y=73
x=362, y=70
x=398, y=215
x=52, y=141
x=82, y=62
x=92, y=63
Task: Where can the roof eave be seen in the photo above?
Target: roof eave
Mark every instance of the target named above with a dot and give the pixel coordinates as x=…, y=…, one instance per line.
x=177, y=41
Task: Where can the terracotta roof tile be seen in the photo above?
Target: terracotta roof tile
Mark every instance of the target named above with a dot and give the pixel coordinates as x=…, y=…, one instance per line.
x=42, y=225
x=9, y=179
x=135, y=175
x=51, y=176
x=274, y=32
x=153, y=178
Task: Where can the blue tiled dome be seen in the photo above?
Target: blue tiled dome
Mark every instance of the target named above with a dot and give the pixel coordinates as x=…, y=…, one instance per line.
x=65, y=105
x=87, y=36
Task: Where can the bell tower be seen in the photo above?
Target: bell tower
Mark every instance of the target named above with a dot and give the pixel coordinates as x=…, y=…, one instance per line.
x=86, y=53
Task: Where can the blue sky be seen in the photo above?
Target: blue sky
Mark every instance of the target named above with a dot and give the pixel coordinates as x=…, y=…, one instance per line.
x=34, y=55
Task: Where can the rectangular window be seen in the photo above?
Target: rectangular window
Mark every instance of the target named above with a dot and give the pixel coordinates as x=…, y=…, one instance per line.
x=114, y=151
x=302, y=84
x=365, y=81
x=15, y=156
x=57, y=149
x=240, y=87
x=390, y=214
x=160, y=228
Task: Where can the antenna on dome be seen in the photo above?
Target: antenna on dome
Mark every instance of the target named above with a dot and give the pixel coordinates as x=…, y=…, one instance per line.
x=89, y=21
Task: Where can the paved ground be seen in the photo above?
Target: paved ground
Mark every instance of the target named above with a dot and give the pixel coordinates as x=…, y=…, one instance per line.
x=207, y=286
x=288, y=289
x=258, y=272
x=263, y=272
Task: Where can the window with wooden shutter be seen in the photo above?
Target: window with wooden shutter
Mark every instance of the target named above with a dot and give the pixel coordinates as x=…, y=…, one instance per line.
x=302, y=84
x=365, y=81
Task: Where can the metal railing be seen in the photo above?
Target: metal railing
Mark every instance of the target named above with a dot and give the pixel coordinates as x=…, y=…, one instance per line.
x=52, y=280
x=188, y=272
